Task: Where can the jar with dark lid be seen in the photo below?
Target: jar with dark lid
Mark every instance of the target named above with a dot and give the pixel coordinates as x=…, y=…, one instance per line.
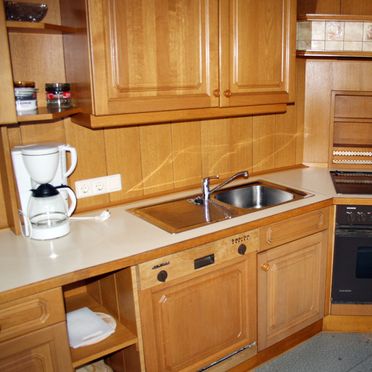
x=25, y=97
x=58, y=95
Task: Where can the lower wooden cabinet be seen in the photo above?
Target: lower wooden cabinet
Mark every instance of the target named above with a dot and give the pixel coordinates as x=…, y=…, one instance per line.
x=291, y=287
x=193, y=320
x=45, y=350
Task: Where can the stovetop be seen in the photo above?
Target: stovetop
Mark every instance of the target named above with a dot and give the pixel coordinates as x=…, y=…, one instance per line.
x=352, y=182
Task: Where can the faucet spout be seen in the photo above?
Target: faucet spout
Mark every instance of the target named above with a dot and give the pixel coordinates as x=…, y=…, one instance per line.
x=205, y=184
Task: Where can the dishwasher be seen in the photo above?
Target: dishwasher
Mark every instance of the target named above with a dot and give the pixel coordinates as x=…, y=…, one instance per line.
x=198, y=306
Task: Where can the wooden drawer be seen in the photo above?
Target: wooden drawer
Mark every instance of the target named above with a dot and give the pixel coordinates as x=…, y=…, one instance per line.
x=30, y=313
x=293, y=228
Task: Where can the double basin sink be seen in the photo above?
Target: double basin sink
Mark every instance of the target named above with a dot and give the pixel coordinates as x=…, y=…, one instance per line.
x=188, y=213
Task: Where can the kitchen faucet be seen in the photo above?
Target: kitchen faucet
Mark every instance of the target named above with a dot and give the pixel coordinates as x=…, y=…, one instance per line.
x=206, y=188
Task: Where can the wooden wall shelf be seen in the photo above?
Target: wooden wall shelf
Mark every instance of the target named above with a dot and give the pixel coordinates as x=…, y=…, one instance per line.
x=45, y=114
x=39, y=27
x=335, y=17
x=332, y=54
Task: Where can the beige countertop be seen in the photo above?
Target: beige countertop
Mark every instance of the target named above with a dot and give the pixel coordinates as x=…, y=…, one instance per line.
x=91, y=243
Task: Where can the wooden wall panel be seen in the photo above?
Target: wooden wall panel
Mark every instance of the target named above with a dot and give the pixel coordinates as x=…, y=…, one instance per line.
x=363, y=7
x=90, y=147
x=317, y=110
x=285, y=138
x=156, y=158
x=186, y=149
x=123, y=155
x=318, y=7
x=263, y=143
x=300, y=108
x=321, y=78
x=226, y=146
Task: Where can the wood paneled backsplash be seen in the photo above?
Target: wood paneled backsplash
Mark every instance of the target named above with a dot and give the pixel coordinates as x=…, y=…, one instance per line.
x=166, y=157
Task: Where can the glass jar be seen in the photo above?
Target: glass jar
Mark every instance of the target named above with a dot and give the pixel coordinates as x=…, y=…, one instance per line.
x=25, y=97
x=58, y=95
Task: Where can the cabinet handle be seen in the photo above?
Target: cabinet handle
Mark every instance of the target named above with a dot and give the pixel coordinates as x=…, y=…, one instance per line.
x=242, y=249
x=321, y=219
x=269, y=235
x=265, y=267
x=216, y=93
x=162, y=276
x=227, y=93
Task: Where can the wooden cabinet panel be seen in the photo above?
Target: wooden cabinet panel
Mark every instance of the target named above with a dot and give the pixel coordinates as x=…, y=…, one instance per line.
x=45, y=350
x=291, y=288
x=7, y=106
x=356, y=7
x=293, y=228
x=30, y=313
x=318, y=7
x=256, y=59
x=154, y=55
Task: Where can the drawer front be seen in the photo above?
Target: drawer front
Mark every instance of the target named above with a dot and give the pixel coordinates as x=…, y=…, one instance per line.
x=30, y=313
x=183, y=263
x=293, y=228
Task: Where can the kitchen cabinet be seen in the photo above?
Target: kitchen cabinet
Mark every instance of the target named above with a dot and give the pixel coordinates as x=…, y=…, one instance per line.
x=33, y=334
x=199, y=305
x=8, y=114
x=291, y=278
x=112, y=294
x=180, y=59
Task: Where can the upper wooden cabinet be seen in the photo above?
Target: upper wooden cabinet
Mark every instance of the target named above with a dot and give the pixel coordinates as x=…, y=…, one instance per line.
x=7, y=103
x=256, y=51
x=161, y=56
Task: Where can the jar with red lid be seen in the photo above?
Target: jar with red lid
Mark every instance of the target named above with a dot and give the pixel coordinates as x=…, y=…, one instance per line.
x=58, y=95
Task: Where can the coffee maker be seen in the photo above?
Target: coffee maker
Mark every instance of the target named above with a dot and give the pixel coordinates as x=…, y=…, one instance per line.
x=44, y=197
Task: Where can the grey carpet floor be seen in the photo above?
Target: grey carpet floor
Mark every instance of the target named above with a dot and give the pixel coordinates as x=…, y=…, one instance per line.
x=326, y=352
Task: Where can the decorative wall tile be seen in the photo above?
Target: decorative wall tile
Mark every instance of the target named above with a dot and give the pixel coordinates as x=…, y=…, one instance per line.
x=332, y=45
x=353, y=31
x=367, y=31
x=353, y=46
x=335, y=31
x=318, y=30
x=367, y=46
x=318, y=45
x=334, y=36
x=303, y=30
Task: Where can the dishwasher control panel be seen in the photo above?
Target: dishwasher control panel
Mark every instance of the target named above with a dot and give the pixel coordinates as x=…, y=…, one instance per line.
x=177, y=265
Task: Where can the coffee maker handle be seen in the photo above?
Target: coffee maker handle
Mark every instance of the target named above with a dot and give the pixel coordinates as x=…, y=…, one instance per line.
x=73, y=159
x=72, y=197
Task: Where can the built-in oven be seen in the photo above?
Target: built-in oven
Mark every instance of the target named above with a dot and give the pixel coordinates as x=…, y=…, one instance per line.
x=352, y=265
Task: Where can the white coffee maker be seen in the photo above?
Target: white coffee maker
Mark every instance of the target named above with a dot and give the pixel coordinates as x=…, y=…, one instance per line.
x=46, y=202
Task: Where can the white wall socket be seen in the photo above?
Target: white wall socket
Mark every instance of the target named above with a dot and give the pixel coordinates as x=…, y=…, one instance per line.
x=97, y=186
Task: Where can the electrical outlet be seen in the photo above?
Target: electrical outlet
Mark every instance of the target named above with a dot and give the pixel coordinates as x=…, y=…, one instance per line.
x=97, y=186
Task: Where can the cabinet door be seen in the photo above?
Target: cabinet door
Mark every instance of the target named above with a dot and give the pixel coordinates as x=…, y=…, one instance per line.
x=153, y=55
x=257, y=51
x=199, y=319
x=45, y=350
x=291, y=288
x=7, y=104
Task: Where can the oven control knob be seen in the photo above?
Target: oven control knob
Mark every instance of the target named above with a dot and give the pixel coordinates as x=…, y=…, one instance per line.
x=361, y=217
x=162, y=276
x=350, y=217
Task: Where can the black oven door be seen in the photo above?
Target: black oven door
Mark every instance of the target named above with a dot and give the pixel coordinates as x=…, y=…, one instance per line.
x=352, y=266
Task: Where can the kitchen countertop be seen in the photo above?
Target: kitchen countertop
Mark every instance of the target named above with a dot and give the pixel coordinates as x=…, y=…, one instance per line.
x=90, y=243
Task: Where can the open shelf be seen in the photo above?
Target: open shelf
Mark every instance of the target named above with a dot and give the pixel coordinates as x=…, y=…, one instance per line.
x=39, y=27
x=122, y=337
x=47, y=114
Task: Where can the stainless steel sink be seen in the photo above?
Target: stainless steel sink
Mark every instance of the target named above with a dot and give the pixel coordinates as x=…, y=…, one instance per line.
x=188, y=213
x=255, y=196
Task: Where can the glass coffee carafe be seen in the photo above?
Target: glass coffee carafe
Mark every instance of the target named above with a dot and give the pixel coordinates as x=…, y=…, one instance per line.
x=48, y=211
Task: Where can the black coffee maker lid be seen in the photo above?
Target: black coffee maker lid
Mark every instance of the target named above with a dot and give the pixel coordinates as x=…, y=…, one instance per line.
x=45, y=190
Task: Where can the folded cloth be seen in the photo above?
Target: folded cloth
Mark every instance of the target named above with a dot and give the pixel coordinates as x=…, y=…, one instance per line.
x=84, y=326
